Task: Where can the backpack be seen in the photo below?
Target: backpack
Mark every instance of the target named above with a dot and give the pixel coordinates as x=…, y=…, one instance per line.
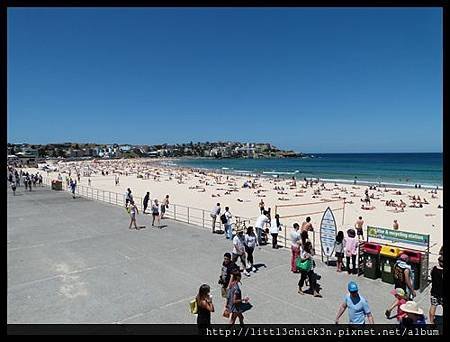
x=193, y=306
x=223, y=218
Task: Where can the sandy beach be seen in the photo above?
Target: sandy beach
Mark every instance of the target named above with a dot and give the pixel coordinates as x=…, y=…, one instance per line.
x=203, y=189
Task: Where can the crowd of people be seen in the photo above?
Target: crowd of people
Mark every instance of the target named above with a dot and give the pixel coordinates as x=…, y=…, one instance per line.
x=247, y=239
x=18, y=177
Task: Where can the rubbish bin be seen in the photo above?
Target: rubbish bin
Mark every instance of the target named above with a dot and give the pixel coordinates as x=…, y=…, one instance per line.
x=371, y=256
x=56, y=185
x=415, y=259
x=388, y=257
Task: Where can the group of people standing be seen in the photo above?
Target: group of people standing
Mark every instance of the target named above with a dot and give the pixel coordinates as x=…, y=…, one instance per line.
x=29, y=180
x=158, y=210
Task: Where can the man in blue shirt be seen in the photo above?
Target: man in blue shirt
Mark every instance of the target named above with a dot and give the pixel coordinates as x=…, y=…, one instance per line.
x=357, y=305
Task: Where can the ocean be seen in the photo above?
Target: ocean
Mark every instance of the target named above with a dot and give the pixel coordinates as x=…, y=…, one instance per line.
x=390, y=169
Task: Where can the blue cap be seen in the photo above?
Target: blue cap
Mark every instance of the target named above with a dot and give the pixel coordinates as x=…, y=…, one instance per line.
x=352, y=287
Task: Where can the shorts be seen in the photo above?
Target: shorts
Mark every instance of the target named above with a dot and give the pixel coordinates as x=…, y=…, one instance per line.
x=234, y=257
x=163, y=209
x=339, y=255
x=435, y=301
x=155, y=214
x=359, y=231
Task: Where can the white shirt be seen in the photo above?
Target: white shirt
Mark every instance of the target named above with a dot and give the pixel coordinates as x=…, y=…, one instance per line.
x=215, y=211
x=228, y=216
x=295, y=237
x=261, y=221
x=238, y=245
x=273, y=227
x=250, y=240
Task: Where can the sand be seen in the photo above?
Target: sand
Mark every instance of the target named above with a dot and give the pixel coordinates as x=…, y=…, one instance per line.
x=203, y=189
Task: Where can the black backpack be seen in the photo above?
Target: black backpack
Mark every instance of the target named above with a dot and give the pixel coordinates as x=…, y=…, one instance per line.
x=223, y=218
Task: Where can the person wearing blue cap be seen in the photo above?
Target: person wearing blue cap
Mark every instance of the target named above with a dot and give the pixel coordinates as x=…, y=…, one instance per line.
x=357, y=305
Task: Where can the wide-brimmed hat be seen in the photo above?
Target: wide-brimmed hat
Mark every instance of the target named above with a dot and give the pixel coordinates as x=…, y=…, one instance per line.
x=398, y=292
x=411, y=307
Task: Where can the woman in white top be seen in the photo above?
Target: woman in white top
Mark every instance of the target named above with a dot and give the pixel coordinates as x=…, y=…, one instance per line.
x=133, y=212
x=250, y=243
x=275, y=227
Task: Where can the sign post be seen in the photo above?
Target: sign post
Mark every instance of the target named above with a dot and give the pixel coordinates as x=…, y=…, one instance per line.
x=407, y=238
x=327, y=234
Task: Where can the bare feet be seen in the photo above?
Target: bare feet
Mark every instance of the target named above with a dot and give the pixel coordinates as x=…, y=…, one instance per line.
x=301, y=292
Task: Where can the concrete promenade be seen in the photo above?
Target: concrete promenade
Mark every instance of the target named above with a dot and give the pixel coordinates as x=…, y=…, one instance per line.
x=76, y=261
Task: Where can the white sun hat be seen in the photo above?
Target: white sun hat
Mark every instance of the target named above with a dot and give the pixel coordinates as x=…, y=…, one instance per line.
x=411, y=307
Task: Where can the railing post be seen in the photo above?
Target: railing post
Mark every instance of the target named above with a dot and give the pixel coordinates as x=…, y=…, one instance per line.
x=116, y=198
x=109, y=197
x=188, y=214
x=174, y=212
x=285, y=237
x=203, y=218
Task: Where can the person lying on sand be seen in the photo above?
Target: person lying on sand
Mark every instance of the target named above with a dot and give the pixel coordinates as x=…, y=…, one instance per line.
x=283, y=199
x=367, y=208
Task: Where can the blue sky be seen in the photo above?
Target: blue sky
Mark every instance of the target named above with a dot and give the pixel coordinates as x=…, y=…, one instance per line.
x=313, y=80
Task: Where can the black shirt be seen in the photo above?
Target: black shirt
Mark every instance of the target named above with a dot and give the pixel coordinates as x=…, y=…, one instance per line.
x=227, y=270
x=437, y=282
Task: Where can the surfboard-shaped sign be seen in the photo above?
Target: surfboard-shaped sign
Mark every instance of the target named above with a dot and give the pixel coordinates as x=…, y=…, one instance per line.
x=327, y=232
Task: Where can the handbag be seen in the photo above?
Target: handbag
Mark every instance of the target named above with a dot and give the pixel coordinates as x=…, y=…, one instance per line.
x=226, y=313
x=303, y=265
x=193, y=306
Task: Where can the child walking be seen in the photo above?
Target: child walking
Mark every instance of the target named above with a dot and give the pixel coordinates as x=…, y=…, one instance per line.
x=339, y=249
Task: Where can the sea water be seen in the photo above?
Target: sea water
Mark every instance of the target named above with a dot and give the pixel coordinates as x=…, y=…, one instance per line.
x=391, y=169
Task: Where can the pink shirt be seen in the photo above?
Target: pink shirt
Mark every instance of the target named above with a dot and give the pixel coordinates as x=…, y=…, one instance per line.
x=350, y=245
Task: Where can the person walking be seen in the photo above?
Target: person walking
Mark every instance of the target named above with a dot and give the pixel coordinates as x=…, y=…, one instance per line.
x=226, y=220
x=214, y=213
x=204, y=308
x=128, y=197
x=73, y=186
x=250, y=242
x=402, y=276
x=275, y=227
x=261, y=207
x=228, y=268
x=351, y=245
x=235, y=300
x=145, y=201
x=155, y=213
x=306, y=270
x=437, y=288
x=359, y=227
x=339, y=250
x=89, y=181
x=358, y=307
x=13, y=187
x=260, y=225
x=400, y=296
x=133, y=212
x=295, y=247
x=239, y=249
x=164, y=206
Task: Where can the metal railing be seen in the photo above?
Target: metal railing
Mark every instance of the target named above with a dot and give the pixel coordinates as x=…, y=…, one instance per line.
x=177, y=212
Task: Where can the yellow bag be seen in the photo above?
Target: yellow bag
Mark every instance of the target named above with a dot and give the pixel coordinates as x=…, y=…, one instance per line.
x=193, y=306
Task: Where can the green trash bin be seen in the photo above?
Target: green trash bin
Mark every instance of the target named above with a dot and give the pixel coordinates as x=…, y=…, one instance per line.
x=415, y=259
x=371, y=257
x=388, y=257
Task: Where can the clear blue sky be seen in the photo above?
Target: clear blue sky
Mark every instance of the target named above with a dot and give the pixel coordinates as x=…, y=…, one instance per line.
x=309, y=79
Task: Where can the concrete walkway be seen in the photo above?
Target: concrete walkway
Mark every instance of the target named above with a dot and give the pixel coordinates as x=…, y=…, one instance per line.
x=76, y=261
